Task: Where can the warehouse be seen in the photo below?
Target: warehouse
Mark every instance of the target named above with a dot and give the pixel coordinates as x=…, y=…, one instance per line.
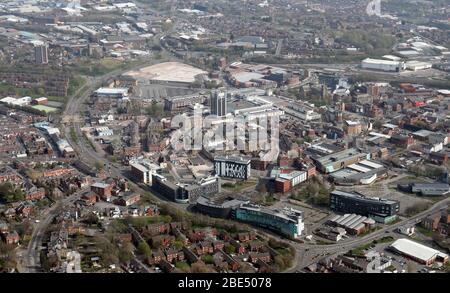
x=352, y=223
x=383, y=65
x=418, y=252
x=417, y=65
x=111, y=92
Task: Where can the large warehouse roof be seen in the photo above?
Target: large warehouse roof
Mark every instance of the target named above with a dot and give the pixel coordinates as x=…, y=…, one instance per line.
x=416, y=250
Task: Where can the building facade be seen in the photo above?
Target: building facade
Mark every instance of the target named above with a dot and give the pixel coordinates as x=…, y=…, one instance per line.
x=232, y=167
x=381, y=210
x=288, y=222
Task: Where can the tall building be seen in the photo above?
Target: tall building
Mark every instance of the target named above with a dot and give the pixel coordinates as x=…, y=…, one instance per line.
x=219, y=103
x=41, y=54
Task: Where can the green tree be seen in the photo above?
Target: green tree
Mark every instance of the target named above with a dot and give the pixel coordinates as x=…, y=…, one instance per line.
x=144, y=249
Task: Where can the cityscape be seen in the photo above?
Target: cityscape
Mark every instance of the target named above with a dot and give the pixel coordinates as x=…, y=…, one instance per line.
x=224, y=136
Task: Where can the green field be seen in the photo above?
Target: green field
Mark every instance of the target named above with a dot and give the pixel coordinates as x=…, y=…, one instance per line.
x=46, y=109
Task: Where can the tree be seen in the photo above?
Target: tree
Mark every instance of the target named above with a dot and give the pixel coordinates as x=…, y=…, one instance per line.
x=125, y=253
x=144, y=249
x=228, y=248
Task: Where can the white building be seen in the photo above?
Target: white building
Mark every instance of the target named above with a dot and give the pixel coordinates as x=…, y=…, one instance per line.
x=295, y=177
x=418, y=65
x=383, y=65
x=419, y=252
x=232, y=167
x=112, y=92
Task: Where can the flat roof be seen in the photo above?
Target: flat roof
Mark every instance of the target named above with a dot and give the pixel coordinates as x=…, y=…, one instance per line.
x=380, y=61
x=416, y=250
x=339, y=156
x=111, y=91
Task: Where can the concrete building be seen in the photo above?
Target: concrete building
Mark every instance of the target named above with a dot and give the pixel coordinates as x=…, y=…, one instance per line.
x=41, y=54
x=143, y=171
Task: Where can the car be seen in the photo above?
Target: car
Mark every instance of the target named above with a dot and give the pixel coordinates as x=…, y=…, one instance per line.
x=37, y=221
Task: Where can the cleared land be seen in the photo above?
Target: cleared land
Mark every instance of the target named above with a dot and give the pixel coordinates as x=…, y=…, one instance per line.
x=167, y=71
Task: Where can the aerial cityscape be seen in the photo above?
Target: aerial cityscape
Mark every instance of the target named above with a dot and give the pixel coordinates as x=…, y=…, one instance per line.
x=224, y=136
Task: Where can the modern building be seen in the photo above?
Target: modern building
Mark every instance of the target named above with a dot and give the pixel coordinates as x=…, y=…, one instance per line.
x=383, y=65
x=288, y=222
x=41, y=54
x=381, y=210
x=219, y=103
x=185, y=193
x=232, y=167
x=336, y=161
x=218, y=208
x=143, y=171
x=418, y=252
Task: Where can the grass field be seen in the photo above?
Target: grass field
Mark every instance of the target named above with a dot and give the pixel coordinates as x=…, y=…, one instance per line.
x=46, y=109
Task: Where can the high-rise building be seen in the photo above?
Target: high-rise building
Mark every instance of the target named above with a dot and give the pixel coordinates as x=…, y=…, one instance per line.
x=41, y=54
x=219, y=103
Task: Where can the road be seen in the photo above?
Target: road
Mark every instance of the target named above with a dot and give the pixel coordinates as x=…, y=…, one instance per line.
x=32, y=256
x=309, y=251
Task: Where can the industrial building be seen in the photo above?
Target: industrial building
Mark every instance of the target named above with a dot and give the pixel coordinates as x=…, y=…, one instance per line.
x=232, y=167
x=418, y=252
x=383, y=65
x=336, y=161
x=288, y=222
x=418, y=65
x=364, y=172
x=381, y=210
x=426, y=189
x=352, y=223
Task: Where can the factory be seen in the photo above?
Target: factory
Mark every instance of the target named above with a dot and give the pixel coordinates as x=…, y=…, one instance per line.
x=104, y=92
x=352, y=223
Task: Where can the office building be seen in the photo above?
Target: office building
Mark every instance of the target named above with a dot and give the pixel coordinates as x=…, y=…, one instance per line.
x=142, y=171
x=219, y=208
x=41, y=54
x=232, y=167
x=219, y=103
x=381, y=210
x=288, y=222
